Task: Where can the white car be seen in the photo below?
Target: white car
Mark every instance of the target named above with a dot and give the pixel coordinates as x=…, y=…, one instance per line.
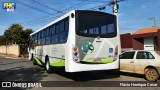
x=141, y=62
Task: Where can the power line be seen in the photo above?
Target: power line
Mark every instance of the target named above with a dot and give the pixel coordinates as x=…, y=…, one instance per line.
x=48, y=19
x=104, y=5
x=61, y=10
x=154, y=19
x=42, y=21
x=58, y=11
x=99, y=6
x=74, y=5
x=32, y=7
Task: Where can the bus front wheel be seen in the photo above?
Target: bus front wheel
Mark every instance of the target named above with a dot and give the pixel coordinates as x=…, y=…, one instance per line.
x=31, y=57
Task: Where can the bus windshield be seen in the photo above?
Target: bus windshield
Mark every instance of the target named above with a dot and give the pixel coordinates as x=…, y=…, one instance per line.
x=95, y=24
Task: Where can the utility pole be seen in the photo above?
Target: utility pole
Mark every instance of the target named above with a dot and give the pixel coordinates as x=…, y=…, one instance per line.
x=154, y=19
x=115, y=7
x=115, y=11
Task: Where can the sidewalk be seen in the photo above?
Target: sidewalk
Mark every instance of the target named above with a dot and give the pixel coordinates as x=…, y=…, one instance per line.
x=11, y=56
x=158, y=52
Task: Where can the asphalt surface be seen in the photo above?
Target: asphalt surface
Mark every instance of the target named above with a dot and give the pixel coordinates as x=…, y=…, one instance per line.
x=18, y=69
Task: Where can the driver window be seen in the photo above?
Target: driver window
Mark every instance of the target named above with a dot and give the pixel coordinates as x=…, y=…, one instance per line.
x=127, y=55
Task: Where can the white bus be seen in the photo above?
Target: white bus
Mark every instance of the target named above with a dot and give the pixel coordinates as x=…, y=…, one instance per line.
x=80, y=40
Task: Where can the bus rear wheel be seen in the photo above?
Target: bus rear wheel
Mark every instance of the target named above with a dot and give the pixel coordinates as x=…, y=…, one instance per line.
x=48, y=67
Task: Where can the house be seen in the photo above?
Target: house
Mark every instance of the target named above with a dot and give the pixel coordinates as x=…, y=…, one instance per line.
x=143, y=39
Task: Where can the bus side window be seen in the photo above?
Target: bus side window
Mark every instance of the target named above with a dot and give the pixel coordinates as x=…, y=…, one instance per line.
x=63, y=37
x=57, y=28
x=43, y=41
x=67, y=25
x=48, y=40
x=43, y=38
x=54, y=39
x=61, y=27
x=35, y=39
x=53, y=29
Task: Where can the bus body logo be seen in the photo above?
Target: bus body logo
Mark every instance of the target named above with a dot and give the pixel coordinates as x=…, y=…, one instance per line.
x=110, y=50
x=87, y=47
x=9, y=6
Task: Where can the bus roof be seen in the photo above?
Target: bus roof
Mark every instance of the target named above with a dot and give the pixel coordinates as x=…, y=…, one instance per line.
x=58, y=19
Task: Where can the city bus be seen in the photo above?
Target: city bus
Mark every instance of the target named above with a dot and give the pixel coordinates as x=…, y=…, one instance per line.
x=81, y=40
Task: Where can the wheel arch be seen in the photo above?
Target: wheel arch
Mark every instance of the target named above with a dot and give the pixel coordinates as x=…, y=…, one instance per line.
x=31, y=56
x=46, y=58
x=150, y=66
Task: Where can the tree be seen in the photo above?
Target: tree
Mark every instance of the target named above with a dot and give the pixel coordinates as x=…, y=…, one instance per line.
x=26, y=34
x=16, y=34
x=2, y=40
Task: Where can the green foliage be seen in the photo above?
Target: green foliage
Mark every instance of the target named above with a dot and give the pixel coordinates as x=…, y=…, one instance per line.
x=2, y=40
x=16, y=34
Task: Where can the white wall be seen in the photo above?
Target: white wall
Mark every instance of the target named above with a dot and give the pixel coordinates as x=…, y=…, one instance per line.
x=126, y=49
x=10, y=49
x=148, y=43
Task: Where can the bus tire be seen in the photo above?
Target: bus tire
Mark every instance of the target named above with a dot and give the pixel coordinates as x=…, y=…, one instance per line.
x=31, y=58
x=48, y=67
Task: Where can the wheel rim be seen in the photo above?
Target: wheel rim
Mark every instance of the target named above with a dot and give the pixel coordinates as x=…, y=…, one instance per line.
x=151, y=75
x=47, y=65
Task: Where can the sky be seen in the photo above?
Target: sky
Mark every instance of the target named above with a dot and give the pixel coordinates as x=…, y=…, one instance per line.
x=34, y=14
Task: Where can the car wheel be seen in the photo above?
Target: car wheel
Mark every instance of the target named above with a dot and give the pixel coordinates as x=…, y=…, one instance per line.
x=151, y=74
x=48, y=67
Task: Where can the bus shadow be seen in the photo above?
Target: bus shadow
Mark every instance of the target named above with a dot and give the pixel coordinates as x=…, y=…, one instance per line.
x=22, y=74
x=88, y=75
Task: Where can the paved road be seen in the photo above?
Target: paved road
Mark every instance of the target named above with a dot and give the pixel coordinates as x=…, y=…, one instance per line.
x=23, y=70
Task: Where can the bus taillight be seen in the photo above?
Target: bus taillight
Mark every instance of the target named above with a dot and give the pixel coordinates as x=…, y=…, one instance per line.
x=75, y=48
x=116, y=50
x=116, y=53
x=76, y=54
